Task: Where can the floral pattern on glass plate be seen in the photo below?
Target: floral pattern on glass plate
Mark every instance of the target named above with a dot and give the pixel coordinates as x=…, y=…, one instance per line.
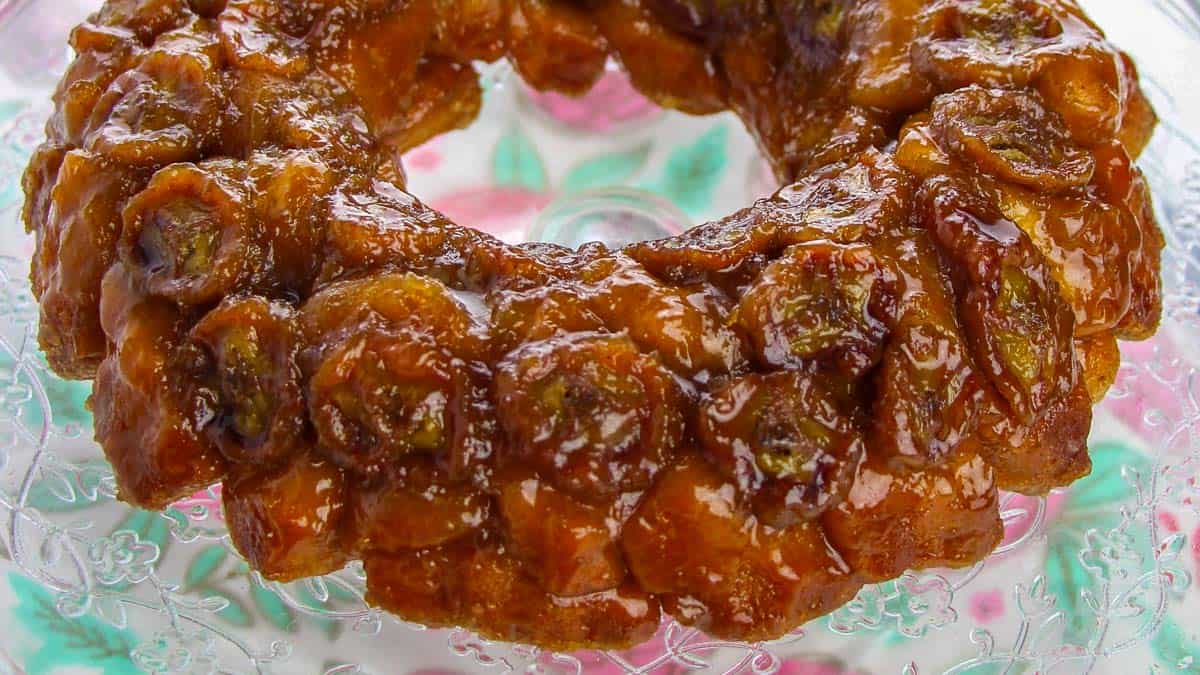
x=1098, y=577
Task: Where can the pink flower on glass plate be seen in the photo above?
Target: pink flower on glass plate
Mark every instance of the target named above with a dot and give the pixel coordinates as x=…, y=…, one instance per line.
x=424, y=158
x=1147, y=382
x=1168, y=521
x=506, y=212
x=986, y=606
x=612, y=102
x=203, y=505
x=1196, y=549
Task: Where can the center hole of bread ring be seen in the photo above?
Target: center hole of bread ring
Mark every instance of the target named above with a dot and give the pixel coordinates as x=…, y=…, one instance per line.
x=608, y=165
x=613, y=216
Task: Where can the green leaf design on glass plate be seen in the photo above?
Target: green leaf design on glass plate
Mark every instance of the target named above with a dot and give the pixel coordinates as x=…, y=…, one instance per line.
x=199, y=579
x=1093, y=503
x=606, y=170
x=68, y=399
x=43, y=495
x=85, y=641
x=341, y=593
x=204, y=564
x=1175, y=649
x=331, y=628
x=693, y=171
x=46, y=498
x=516, y=162
x=235, y=612
x=271, y=606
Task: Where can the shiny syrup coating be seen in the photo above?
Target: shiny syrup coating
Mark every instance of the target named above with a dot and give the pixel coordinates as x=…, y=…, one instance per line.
x=570, y=547
x=738, y=426
x=783, y=439
x=590, y=412
x=244, y=364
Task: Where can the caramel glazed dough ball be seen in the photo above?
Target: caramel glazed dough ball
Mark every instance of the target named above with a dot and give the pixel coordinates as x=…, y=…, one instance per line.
x=739, y=426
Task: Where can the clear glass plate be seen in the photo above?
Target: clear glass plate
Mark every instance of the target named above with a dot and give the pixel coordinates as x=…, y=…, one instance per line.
x=1097, y=578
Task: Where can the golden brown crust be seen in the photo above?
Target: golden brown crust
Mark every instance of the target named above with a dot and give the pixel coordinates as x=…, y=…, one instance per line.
x=738, y=426
x=480, y=584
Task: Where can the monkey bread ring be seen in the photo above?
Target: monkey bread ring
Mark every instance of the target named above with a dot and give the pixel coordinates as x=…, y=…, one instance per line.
x=738, y=426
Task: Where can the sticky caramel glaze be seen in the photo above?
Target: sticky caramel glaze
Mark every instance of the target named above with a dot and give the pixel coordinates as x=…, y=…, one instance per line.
x=739, y=426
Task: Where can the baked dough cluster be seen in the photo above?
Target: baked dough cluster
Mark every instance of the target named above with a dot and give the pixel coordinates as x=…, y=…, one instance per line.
x=739, y=426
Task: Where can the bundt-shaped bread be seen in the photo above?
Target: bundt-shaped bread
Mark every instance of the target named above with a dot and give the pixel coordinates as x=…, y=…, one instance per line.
x=739, y=426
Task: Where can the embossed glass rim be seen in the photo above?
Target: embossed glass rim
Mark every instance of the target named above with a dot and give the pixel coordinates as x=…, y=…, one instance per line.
x=1185, y=13
x=84, y=572
x=658, y=216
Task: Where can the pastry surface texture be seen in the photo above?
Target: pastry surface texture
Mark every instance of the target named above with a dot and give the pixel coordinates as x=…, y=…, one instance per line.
x=739, y=426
